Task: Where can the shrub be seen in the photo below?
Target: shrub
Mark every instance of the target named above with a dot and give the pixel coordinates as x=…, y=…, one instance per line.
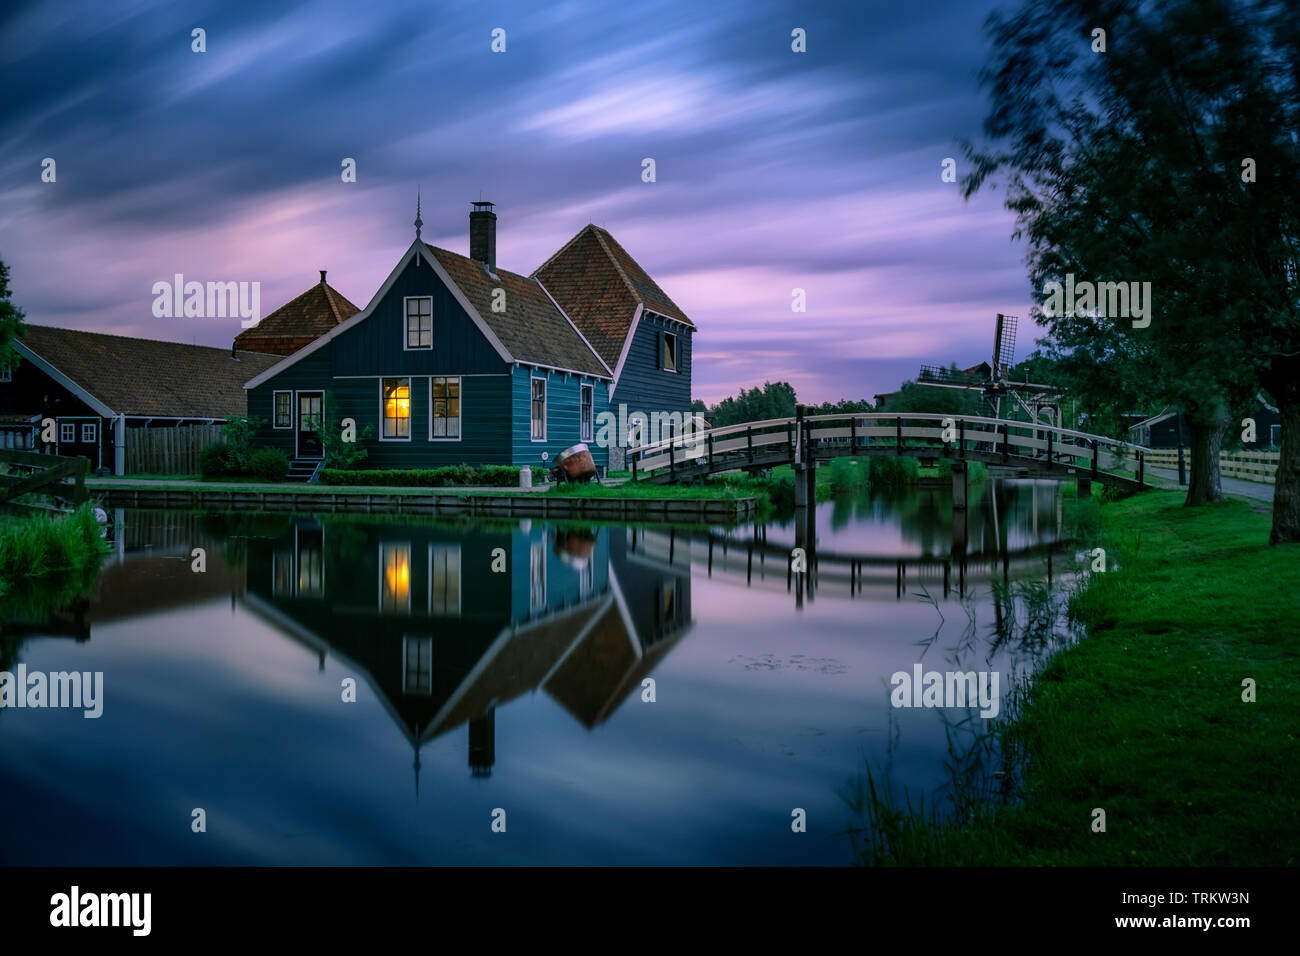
x=496, y=476
x=892, y=472
x=269, y=464
x=213, y=462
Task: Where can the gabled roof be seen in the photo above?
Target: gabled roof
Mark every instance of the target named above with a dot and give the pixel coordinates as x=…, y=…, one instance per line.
x=118, y=375
x=600, y=287
x=537, y=331
x=532, y=328
x=298, y=322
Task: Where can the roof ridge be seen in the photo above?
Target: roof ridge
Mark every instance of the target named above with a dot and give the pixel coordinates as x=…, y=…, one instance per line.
x=617, y=268
x=131, y=338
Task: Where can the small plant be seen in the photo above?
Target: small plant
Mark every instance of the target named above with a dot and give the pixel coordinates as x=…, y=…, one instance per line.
x=238, y=434
x=213, y=462
x=269, y=464
x=341, y=454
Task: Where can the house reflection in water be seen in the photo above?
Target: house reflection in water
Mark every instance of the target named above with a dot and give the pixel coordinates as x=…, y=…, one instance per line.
x=447, y=624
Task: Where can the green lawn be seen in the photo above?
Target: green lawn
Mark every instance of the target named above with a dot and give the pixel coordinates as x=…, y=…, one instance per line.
x=1144, y=718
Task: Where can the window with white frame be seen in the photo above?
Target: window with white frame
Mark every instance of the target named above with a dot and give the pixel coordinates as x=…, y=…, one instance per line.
x=419, y=322
x=283, y=409
x=6, y=372
x=88, y=431
x=395, y=409
x=539, y=409
x=670, y=352
x=537, y=576
x=417, y=664
x=67, y=432
x=444, y=580
x=588, y=412
x=444, y=407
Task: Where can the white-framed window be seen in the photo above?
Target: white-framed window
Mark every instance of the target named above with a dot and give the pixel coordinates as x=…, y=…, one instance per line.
x=669, y=352
x=282, y=574
x=419, y=322
x=444, y=580
x=395, y=409
x=88, y=431
x=586, y=578
x=282, y=403
x=537, y=575
x=538, y=409
x=587, y=413
x=394, y=577
x=444, y=408
x=6, y=373
x=417, y=664
x=67, y=432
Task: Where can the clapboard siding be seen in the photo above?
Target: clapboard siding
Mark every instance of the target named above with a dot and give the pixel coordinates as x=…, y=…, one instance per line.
x=376, y=344
x=644, y=386
x=563, y=427
x=312, y=372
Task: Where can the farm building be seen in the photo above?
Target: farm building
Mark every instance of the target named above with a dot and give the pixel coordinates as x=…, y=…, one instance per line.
x=110, y=397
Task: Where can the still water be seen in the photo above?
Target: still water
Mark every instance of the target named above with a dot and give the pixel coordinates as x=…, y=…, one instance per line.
x=504, y=666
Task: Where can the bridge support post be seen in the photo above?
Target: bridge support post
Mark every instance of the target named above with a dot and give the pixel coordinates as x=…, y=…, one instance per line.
x=805, y=484
x=1085, y=488
x=959, y=540
x=959, y=484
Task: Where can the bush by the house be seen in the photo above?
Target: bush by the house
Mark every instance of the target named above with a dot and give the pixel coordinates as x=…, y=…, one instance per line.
x=497, y=476
x=269, y=464
x=213, y=461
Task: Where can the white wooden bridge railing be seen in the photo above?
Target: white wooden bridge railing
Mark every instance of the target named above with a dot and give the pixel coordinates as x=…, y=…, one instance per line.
x=912, y=433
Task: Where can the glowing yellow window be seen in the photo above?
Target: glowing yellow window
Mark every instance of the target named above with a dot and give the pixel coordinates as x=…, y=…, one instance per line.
x=397, y=408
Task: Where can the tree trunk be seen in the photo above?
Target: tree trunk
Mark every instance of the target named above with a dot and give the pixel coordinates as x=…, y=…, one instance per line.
x=1286, y=491
x=1203, y=484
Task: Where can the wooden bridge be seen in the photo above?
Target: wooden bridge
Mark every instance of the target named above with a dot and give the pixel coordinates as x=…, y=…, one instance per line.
x=1026, y=448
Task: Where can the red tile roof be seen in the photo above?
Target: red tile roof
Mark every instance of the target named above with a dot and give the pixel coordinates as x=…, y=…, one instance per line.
x=299, y=322
x=146, y=377
x=531, y=328
x=599, y=285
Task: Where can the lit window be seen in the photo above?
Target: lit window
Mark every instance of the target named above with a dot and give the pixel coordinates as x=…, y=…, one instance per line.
x=397, y=408
x=88, y=430
x=588, y=412
x=444, y=403
x=419, y=323
x=67, y=432
x=539, y=409
x=394, y=578
x=284, y=409
x=670, y=352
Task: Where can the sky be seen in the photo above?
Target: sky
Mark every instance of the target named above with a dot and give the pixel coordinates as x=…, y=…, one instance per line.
x=774, y=170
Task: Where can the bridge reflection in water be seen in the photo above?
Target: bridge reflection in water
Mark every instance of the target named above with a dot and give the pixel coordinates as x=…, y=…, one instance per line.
x=445, y=623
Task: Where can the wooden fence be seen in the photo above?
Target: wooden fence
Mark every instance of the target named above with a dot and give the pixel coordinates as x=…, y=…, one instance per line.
x=1247, y=465
x=52, y=476
x=168, y=451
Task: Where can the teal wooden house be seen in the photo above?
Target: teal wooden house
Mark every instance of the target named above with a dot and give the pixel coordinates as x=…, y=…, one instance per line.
x=455, y=361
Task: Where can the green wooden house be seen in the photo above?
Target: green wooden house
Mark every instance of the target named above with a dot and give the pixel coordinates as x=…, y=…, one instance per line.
x=452, y=361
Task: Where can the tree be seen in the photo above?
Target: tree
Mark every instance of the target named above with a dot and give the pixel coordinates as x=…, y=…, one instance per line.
x=1130, y=165
x=11, y=321
x=772, y=400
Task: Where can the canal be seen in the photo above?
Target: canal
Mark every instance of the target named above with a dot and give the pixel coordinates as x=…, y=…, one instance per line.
x=353, y=689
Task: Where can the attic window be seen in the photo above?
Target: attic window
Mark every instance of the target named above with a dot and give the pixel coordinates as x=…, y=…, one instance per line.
x=6, y=373
x=419, y=322
x=669, y=352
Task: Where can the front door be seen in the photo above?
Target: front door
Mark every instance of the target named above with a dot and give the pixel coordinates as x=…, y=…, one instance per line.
x=310, y=414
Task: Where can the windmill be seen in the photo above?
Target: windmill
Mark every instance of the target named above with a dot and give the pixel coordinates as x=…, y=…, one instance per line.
x=1040, y=402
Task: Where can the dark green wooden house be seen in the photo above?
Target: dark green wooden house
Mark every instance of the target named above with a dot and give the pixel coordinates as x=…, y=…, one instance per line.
x=452, y=361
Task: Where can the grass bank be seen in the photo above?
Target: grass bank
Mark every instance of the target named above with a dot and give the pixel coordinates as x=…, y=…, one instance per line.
x=35, y=546
x=1144, y=718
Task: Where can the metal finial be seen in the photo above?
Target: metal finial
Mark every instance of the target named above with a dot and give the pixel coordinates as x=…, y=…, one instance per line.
x=418, y=221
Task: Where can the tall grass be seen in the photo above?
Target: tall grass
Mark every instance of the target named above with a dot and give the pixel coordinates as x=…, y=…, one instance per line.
x=39, y=545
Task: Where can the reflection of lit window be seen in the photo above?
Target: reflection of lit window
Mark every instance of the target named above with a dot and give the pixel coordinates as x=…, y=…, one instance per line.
x=444, y=580
x=417, y=664
x=394, y=578
x=397, y=408
x=282, y=573
x=537, y=576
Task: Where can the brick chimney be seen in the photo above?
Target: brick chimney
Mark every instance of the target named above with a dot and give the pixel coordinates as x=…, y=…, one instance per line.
x=483, y=235
x=322, y=277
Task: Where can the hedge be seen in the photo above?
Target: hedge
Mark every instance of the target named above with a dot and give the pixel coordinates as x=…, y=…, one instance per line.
x=496, y=476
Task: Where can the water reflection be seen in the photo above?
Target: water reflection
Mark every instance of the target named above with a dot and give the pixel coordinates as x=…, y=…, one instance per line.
x=533, y=641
